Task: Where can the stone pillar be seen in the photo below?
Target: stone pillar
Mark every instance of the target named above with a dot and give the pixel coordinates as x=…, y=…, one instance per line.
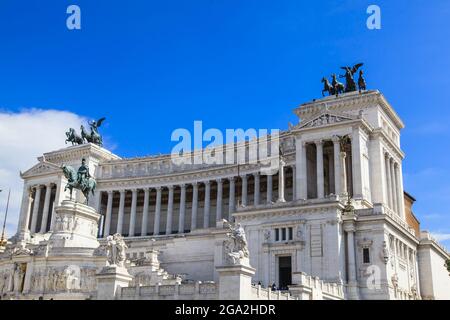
x=37, y=200
x=207, y=204
x=145, y=212
x=319, y=161
x=294, y=182
x=244, y=190
x=401, y=204
x=351, y=262
x=235, y=282
x=343, y=173
x=257, y=189
x=182, y=209
x=194, y=206
x=231, y=204
x=393, y=185
x=98, y=201
x=157, y=212
x=107, y=231
x=25, y=211
x=48, y=193
x=357, y=164
x=121, y=211
x=219, y=200
x=169, y=211
x=388, y=179
x=337, y=165
x=281, y=182
x=131, y=228
x=59, y=196
x=300, y=174
x=269, y=188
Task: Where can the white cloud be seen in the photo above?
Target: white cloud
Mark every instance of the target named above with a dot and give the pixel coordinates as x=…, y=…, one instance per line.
x=24, y=136
x=441, y=236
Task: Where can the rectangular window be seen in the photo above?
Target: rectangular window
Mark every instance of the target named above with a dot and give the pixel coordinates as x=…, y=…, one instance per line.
x=290, y=234
x=283, y=234
x=366, y=255
x=277, y=234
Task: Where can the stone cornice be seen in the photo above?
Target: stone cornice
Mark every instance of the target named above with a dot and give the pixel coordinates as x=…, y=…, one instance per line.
x=75, y=153
x=348, y=101
x=292, y=208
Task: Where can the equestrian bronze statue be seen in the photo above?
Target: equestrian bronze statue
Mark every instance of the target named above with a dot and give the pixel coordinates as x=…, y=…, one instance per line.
x=81, y=180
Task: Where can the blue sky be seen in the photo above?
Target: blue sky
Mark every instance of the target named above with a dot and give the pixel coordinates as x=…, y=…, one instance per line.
x=153, y=66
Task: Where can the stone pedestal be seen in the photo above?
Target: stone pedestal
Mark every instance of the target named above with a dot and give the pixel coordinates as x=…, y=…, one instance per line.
x=110, y=280
x=235, y=282
x=76, y=226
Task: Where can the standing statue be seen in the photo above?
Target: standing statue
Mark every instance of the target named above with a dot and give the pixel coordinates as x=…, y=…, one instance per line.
x=361, y=81
x=80, y=180
x=350, y=84
x=95, y=136
x=73, y=137
x=18, y=278
x=236, y=246
x=115, y=250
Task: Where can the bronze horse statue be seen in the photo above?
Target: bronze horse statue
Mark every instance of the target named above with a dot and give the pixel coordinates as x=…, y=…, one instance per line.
x=334, y=88
x=73, y=137
x=86, y=186
x=94, y=137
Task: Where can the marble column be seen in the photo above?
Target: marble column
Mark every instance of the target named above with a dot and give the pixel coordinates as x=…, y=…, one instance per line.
x=37, y=200
x=343, y=172
x=121, y=211
x=244, y=190
x=231, y=203
x=157, y=212
x=395, y=188
x=400, y=191
x=98, y=201
x=388, y=179
x=219, y=200
x=59, y=196
x=281, y=182
x=182, y=208
x=25, y=212
x=169, y=211
x=351, y=263
x=145, y=212
x=194, y=206
x=134, y=194
x=269, y=188
x=207, y=204
x=256, y=191
x=109, y=204
x=301, y=172
x=48, y=193
x=337, y=165
x=319, y=161
x=294, y=182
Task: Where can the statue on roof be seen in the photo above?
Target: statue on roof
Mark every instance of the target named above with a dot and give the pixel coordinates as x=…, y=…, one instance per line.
x=350, y=84
x=85, y=136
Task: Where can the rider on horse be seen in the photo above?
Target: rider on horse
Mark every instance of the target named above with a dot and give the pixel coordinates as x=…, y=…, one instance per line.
x=83, y=174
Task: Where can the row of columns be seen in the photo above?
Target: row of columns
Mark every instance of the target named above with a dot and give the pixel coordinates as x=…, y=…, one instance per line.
x=182, y=207
x=340, y=175
x=31, y=208
x=394, y=186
